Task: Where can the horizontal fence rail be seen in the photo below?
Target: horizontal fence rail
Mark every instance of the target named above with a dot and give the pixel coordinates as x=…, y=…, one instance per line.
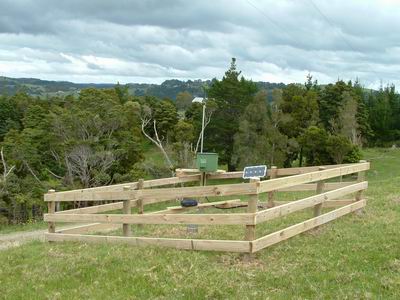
x=280, y=183
x=294, y=206
x=138, y=194
x=208, y=219
x=291, y=231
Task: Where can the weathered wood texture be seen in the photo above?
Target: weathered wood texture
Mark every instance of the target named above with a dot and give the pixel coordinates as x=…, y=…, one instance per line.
x=158, y=195
x=313, y=186
x=280, y=183
x=325, y=204
x=319, y=190
x=126, y=209
x=202, y=205
x=250, y=233
x=282, y=210
x=111, y=191
x=188, y=244
x=207, y=219
x=291, y=231
x=90, y=228
x=273, y=174
x=51, y=208
x=97, y=208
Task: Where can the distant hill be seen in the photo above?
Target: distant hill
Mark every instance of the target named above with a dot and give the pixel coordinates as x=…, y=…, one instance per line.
x=167, y=89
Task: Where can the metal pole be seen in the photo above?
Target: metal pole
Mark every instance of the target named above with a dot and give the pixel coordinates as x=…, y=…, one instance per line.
x=202, y=127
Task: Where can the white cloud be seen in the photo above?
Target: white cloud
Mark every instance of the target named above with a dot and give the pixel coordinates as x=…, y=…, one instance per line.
x=150, y=41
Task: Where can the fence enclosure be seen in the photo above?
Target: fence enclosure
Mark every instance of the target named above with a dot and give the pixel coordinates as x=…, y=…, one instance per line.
x=141, y=193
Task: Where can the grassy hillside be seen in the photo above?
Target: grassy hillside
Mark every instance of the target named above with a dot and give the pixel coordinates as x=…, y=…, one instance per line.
x=355, y=257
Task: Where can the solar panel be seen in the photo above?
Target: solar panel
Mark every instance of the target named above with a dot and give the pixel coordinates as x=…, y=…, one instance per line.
x=254, y=171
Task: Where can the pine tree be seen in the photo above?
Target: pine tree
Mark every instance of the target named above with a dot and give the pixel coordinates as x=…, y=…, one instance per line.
x=232, y=95
x=258, y=140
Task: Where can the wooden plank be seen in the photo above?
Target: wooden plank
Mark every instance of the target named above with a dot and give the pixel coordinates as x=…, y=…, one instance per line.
x=171, y=180
x=294, y=230
x=80, y=193
x=203, y=205
x=304, y=170
x=184, y=172
x=280, y=183
x=221, y=245
x=97, y=208
x=293, y=206
x=227, y=175
x=158, y=195
x=90, y=228
x=207, y=219
x=313, y=186
x=325, y=204
x=107, y=188
x=222, y=204
x=90, y=196
x=136, y=241
x=337, y=203
x=187, y=244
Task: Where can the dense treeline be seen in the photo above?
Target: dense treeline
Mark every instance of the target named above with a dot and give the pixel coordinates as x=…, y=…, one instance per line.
x=100, y=136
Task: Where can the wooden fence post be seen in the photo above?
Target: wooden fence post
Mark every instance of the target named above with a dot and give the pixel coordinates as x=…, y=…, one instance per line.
x=51, y=209
x=273, y=174
x=250, y=233
x=140, y=205
x=139, y=202
x=126, y=209
x=360, y=178
x=320, y=189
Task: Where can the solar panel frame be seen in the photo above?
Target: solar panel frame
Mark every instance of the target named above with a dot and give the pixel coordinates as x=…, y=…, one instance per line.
x=254, y=172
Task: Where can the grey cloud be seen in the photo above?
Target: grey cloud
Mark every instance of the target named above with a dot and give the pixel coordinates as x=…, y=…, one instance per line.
x=154, y=40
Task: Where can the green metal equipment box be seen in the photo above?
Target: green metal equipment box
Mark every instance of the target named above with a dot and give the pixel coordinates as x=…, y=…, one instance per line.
x=207, y=162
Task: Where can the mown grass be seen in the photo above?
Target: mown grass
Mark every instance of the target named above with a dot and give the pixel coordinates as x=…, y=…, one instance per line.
x=355, y=257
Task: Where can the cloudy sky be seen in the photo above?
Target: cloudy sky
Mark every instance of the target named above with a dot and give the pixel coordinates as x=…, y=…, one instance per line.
x=150, y=41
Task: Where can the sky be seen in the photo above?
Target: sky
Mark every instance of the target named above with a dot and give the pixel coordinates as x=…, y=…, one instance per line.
x=149, y=41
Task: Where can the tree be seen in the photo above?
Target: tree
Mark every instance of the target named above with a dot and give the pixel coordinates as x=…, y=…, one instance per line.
x=183, y=100
x=258, y=140
x=159, y=141
x=183, y=137
x=93, y=134
x=338, y=147
x=166, y=117
x=232, y=95
x=314, y=142
x=301, y=106
x=347, y=119
x=330, y=102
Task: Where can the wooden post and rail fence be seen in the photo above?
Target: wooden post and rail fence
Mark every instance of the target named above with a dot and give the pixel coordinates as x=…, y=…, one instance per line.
x=329, y=194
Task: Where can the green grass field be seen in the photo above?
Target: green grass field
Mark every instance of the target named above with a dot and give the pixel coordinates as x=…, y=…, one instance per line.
x=355, y=257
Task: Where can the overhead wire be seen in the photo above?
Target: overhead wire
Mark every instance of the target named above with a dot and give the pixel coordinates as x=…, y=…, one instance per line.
x=323, y=15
